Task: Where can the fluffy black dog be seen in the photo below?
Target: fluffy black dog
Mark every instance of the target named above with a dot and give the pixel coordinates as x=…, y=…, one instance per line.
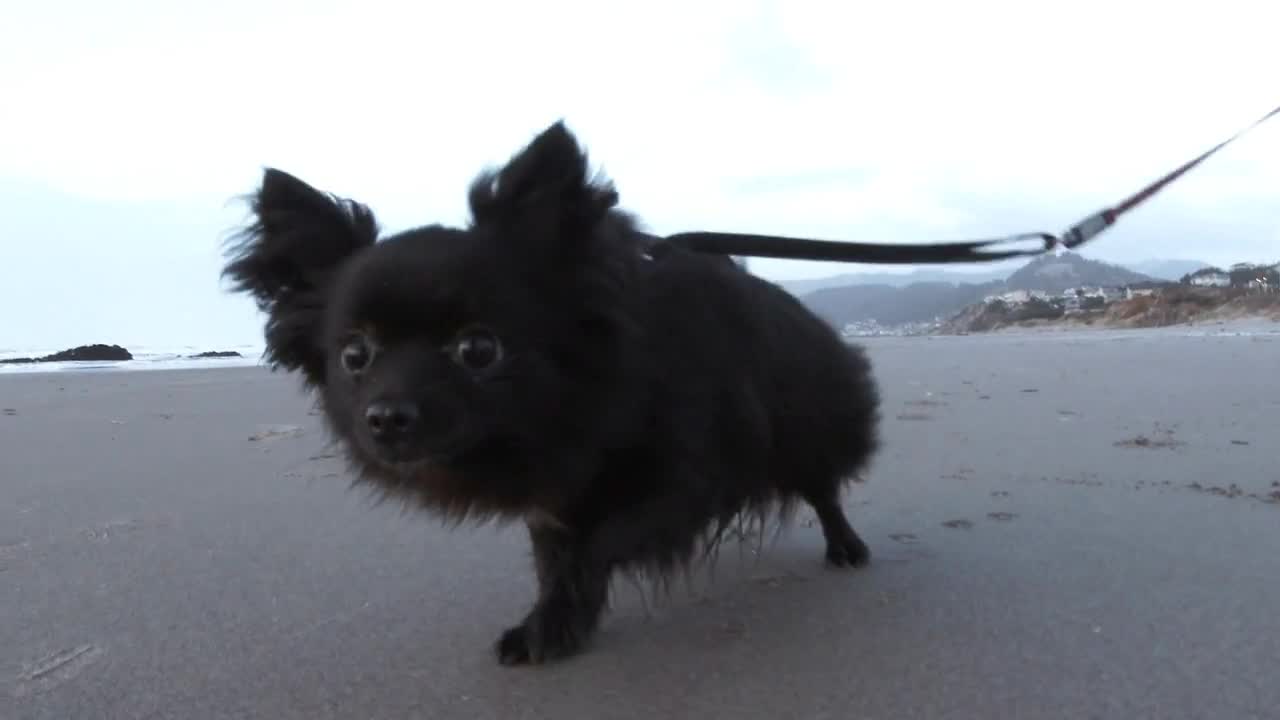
x=626, y=399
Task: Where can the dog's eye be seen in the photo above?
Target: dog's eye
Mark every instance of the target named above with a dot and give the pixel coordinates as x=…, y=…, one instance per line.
x=477, y=350
x=355, y=355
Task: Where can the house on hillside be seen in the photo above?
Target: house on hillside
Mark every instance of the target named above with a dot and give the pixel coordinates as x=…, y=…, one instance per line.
x=1208, y=277
x=862, y=328
x=1086, y=298
x=1016, y=297
x=1143, y=289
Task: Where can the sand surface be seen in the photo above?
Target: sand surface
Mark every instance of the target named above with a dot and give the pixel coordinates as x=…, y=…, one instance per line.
x=1063, y=526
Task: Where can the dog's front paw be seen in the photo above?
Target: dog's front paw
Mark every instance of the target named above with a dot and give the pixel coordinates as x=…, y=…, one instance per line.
x=542, y=637
x=513, y=646
x=846, y=549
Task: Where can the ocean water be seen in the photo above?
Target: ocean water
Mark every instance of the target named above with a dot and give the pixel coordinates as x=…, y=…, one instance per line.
x=176, y=357
x=144, y=358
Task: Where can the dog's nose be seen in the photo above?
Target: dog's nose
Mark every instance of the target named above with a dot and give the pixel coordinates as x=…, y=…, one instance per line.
x=391, y=420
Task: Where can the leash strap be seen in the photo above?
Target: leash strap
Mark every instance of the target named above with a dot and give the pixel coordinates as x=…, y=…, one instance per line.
x=793, y=248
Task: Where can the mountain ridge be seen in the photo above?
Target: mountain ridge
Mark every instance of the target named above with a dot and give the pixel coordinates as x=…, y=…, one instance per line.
x=889, y=304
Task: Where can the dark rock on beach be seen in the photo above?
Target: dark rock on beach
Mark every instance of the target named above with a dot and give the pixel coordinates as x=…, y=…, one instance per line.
x=216, y=354
x=91, y=353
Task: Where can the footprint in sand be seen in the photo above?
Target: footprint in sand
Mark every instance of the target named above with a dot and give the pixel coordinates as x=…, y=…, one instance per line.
x=50, y=671
x=1001, y=516
x=960, y=524
x=273, y=432
x=11, y=548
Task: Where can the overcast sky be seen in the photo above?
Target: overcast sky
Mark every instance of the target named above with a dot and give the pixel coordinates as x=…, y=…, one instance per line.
x=129, y=128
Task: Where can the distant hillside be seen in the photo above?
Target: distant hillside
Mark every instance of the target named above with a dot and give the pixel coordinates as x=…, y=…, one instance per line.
x=891, y=305
x=1167, y=269
x=1058, y=273
x=972, y=277
x=1168, y=305
x=1160, y=269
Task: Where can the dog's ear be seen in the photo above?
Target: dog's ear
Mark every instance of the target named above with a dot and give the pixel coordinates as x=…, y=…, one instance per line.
x=286, y=258
x=544, y=194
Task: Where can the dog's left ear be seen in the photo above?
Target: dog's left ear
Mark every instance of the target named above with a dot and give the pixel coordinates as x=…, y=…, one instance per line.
x=544, y=194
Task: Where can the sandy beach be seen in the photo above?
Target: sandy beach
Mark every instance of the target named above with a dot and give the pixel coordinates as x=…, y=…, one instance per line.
x=1063, y=525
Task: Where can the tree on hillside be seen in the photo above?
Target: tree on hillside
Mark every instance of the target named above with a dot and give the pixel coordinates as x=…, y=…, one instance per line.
x=1246, y=274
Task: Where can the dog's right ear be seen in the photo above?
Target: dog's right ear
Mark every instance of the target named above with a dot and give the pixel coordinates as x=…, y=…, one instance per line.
x=286, y=258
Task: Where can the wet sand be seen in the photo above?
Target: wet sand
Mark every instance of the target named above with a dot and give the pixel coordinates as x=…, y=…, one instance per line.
x=1074, y=525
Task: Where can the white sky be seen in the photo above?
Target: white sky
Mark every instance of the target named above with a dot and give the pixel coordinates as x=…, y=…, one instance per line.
x=126, y=128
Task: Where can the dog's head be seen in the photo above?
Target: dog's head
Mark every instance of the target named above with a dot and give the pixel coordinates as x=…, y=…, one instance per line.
x=451, y=359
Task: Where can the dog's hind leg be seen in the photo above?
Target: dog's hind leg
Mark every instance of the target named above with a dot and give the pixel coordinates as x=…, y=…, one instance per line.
x=844, y=547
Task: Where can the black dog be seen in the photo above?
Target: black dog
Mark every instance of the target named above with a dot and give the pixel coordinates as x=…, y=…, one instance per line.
x=548, y=362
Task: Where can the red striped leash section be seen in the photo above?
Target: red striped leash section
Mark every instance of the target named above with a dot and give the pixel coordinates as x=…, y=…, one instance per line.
x=1093, y=225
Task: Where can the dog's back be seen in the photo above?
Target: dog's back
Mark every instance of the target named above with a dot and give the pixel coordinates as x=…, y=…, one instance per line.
x=754, y=399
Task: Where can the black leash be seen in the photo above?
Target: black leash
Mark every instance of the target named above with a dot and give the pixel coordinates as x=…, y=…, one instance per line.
x=792, y=248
